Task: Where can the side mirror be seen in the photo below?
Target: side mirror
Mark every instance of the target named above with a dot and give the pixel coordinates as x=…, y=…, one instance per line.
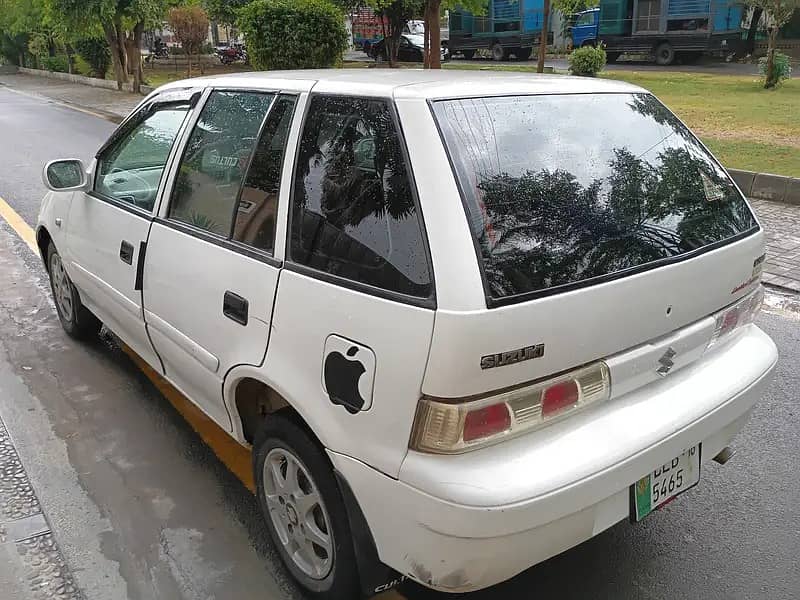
x=64, y=175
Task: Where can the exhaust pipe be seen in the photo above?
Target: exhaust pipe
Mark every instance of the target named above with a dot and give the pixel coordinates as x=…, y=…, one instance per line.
x=724, y=455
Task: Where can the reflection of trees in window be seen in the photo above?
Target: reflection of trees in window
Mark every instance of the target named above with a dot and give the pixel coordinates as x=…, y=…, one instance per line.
x=544, y=229
x=353, y=213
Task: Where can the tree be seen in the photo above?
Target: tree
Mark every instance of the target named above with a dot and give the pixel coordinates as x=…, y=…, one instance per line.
x=190, y=26
x=122, y=21
x=778, y=13
x=394, y=15
x=224, y=11
x=293, y=34
x=94, y=50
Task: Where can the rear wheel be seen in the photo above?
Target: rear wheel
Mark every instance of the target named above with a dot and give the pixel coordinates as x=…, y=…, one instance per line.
x=304, y=510
x=499, y=53
x=77, y=320
x=665, y=54
x=523, y=53
x=468, y=54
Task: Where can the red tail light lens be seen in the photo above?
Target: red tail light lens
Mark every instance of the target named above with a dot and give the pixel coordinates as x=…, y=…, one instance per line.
x=559, y=397
x=450, y=427
x=486, y=421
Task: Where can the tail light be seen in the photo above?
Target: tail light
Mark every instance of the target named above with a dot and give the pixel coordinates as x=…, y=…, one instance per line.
x=451, y=427
x=741, y=313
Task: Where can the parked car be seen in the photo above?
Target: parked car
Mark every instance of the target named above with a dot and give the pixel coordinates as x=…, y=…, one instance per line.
x=411, y=49
x=455, y=353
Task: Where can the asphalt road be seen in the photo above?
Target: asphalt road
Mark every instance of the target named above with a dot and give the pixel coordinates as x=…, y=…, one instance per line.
x=142, y=508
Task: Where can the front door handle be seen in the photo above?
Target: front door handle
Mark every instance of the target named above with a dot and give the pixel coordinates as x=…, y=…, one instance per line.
x=235, y=308
x=126, y=252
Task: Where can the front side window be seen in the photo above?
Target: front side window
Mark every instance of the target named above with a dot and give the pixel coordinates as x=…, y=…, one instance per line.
x=353, y=211
x=216, y=157
x=586, y=19
x=130, y=170
x=563, y=189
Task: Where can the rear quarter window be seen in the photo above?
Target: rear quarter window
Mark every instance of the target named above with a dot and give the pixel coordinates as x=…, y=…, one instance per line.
x=567, y=190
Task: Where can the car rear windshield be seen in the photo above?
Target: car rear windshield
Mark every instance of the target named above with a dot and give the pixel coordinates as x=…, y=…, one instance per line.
x=568, y=190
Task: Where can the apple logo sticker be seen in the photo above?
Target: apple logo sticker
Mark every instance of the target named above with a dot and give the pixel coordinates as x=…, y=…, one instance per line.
x=343, y=374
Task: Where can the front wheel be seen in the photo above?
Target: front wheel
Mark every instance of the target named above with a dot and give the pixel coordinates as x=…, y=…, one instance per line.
x=665, y=54
x=77, y=320
x=304, y=510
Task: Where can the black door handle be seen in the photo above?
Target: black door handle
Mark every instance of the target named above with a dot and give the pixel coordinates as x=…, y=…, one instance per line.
x=126, y=252
x=235, y=308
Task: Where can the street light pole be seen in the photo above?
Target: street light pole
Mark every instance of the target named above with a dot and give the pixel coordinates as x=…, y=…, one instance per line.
x=543, y=40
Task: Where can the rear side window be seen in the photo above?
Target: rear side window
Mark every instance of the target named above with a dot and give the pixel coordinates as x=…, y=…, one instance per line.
x=215, y=160
x=353, y=210
x=562, y=190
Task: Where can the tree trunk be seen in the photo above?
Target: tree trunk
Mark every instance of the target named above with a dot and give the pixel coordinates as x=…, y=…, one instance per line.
x=110, y=31
x=543, y=40
x=750, y=44
x=435, y=50
x=426, y=51
x=395, y=31
x=135, y=56
x=771, y=79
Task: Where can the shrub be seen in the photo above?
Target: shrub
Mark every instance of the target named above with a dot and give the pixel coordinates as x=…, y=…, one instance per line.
x=587, y=61
x=96, y=53
x=58, y=63
x=293, y=34
x=781, y=67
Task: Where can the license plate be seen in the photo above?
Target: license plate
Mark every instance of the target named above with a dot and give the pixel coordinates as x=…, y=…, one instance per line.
x=666, y=482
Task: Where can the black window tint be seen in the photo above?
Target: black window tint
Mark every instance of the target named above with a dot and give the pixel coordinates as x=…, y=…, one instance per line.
x=258, y=203
x=353, y=212
x=130, y=171
x=215, y=159
x=566, y=188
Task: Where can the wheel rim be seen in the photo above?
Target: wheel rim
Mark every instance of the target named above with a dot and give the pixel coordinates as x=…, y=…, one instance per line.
x=298, y=513
x=62, y=288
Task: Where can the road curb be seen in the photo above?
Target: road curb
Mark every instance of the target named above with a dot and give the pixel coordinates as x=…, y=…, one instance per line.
x=765, y=186
x=108, y=84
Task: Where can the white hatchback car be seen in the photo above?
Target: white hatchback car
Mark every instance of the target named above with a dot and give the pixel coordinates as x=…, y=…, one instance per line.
x=465, y=320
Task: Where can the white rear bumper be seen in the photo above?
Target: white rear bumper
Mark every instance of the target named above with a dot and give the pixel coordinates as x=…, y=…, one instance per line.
x=485, y=516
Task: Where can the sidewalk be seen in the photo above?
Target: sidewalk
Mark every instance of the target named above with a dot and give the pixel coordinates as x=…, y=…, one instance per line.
x=782, y=226
x=109, y=104
x=781, y=221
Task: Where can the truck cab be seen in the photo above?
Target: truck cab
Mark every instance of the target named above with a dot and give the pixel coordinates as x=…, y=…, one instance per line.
x=584, y=31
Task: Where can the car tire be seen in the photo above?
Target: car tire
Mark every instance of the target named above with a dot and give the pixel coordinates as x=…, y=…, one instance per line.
x=499, y=53
x=283, y=447
x=77, y=320
x=612, y=57
x=468, y=54
x=665, y=54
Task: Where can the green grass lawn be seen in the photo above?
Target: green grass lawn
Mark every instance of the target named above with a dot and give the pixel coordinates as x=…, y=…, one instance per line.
x=746, y=126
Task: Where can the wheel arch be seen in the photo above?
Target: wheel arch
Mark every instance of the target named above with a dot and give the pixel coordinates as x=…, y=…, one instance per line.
x=250, y=397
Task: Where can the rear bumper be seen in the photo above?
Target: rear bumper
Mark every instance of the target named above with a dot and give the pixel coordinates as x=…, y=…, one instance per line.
x=465, y=532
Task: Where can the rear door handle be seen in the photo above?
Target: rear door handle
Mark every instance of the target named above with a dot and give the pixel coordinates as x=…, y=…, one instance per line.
x=235, y=308
x=126, y=252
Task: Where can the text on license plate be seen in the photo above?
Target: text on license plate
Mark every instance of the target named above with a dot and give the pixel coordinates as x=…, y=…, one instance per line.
x=666, y=482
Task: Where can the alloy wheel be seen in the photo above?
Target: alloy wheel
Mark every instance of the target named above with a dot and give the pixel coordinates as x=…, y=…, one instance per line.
x=298, y=513
x=62, y=287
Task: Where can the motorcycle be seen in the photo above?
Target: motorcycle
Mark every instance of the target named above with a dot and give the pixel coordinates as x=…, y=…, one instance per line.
x=156, y=52
x=230, y=55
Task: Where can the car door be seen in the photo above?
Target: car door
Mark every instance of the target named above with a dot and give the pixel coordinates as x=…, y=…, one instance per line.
x=210, y=273
x=107, y=227
x=355, y=306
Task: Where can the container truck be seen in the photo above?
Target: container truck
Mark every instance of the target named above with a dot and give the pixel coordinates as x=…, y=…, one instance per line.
x=663, y=29
x=506, y=28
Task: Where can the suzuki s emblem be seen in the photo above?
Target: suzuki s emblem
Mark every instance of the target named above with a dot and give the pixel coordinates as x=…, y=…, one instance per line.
x=666, y=362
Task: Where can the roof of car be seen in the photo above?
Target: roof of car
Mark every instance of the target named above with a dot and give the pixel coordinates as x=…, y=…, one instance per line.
x=412, y=83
